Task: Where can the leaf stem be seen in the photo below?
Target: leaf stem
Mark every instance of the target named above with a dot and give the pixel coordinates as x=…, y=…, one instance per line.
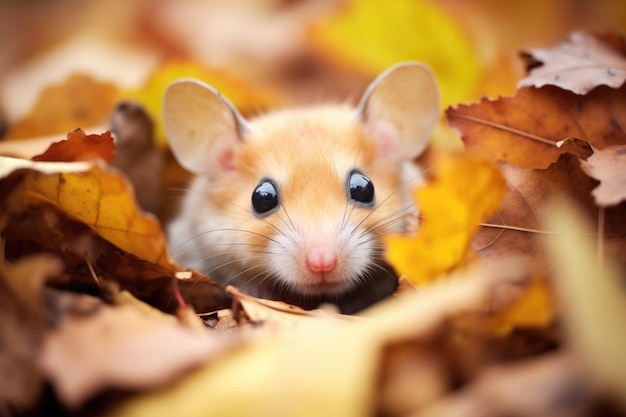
x=600, y=241
x=91, y=269
x=506, y=128
x=521, y=229
x=518, y=229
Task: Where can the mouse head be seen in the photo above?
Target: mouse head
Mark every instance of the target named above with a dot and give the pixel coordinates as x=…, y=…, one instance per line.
x=314, y=187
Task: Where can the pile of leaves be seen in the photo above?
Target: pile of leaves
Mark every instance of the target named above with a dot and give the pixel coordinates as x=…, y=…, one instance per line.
x=510, y=303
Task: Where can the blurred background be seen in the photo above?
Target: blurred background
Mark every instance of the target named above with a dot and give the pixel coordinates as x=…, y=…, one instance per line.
x=67, y=63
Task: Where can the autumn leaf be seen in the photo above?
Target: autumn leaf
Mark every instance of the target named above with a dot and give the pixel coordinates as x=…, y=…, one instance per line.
x=533, y=387
x=138, y=156
x=280, y=315
x=516, y=228
x=62, y=202
x=154, y=283
x=607, y=166
x=578, y=65
x=78, y=102
x=466, y=191
x=22, y=321
x=80, y=147
x=591, y=297
x=532, y=308
x=121, y=347
x=370, y=36
x=524, y=130
x=318, y=348
x=103, y=200
x=100, y=198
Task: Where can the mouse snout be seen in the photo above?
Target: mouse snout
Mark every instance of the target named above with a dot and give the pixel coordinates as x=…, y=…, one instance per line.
x=321, y=258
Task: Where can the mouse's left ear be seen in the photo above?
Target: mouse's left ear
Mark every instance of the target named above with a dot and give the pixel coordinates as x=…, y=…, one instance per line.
x=400, y=109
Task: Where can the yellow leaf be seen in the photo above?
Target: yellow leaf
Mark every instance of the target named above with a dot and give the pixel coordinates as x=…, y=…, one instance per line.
x=592, y=299
x=534, y=308
x=103, y=200
x=246, y=97
x=467, y=190
x=371, y=35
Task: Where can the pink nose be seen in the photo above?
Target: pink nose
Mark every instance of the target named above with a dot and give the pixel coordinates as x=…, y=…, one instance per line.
x=321, y=259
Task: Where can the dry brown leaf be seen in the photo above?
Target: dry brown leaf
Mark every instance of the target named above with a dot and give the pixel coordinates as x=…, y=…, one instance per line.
x=21, y=331
x=515, y=227
x=531, y=388
x=609, y=167
x=321, y=366
x=136, y=154
x=579, y=147
x=92, y=211
x=79, y=102
x=592, y=299
x=578, y=65
x=523, y=130
x=80, y=147
x=278, y=314
x=413, y=374
x=122, y=347
x=155, y=284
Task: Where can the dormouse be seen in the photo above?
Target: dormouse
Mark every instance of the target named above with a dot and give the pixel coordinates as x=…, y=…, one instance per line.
x=293, y=204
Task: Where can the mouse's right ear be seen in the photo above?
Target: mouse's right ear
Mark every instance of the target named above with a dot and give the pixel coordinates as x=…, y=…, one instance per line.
x=203, y=128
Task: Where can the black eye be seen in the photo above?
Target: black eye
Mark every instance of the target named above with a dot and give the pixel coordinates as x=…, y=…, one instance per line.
x=361, y=188
x=264, y=197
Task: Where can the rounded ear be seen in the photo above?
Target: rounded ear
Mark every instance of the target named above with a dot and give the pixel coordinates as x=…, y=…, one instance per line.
x=203, y=128
x=400, y=109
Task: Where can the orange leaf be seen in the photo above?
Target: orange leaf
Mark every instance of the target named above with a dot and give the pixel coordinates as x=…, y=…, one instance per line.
x=467, y=190
x=104, y=201
x=78, y=102
x=80, y=147
x=524, y=130
x=533, y=308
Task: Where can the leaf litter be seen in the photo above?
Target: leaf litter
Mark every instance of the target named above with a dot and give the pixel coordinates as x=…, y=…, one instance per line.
x=487, y=333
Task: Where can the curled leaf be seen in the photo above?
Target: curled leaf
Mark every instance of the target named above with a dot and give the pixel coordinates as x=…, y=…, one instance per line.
x=592, y=299
x=524, y=130
x=608, y=166
x=121, y=347
x=80, y=101
x=104, y=201
x=80, y=147
x=578, y=65
x=466, y=191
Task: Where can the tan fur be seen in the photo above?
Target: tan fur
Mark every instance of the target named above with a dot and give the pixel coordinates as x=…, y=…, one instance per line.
x=317, y=243
x=309, y=154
